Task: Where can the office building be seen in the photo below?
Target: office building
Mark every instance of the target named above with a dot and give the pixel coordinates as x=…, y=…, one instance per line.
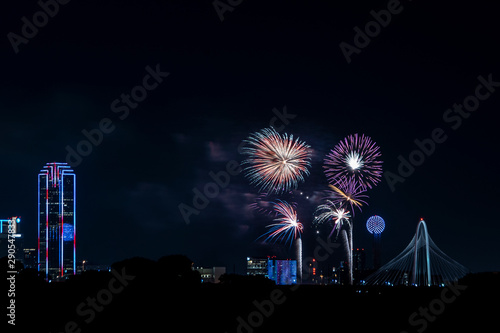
x=210, y=274
x=56, y=221
x=358, y=260
x=11, y=226
x=30, y=259
x=313, y=272
x=283, y=272
x=359, y=265
x=257, y=266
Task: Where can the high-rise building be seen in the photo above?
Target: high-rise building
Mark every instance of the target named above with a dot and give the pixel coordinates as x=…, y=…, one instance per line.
x=342, y=273
x=30, y=258
x=11, y=227
x=313, y=273
x=283, y=272
x=257, y=266
x=56, y=221
x=358, y=260
x=358, y=264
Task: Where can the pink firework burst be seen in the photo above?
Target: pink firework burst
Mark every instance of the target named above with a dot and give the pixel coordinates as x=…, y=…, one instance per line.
x=287, y=226
x=276, y=162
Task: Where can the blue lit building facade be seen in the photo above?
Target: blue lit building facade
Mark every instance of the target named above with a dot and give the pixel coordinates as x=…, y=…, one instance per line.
x=56, y=221
x=11, y=226
x=283, y=272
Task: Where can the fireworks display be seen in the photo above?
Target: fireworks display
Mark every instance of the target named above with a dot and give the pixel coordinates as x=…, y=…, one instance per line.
x=276, y=162
x=287, y=226
x=338, y=216
x=264, y=202
x=348, y=192
x=330, y=212
x=354, y=159
x=298, y=246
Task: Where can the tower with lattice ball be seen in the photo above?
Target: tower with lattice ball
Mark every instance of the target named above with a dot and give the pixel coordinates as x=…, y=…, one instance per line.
x=375, y=226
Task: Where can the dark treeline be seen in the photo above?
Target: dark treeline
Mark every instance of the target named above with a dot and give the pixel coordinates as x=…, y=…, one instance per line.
x=167, y=295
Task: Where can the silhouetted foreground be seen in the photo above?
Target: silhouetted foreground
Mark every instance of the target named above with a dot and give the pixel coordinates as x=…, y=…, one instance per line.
x=142, y=295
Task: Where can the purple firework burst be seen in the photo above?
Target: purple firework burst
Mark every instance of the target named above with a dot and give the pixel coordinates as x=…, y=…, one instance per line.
x=356, y=158
x=348, y=192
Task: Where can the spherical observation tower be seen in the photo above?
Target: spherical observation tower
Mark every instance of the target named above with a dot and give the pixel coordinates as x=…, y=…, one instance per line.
x=375, y=226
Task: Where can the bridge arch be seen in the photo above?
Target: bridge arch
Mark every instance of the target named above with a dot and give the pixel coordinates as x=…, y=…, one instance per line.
x=421, y=263
x=418, y=238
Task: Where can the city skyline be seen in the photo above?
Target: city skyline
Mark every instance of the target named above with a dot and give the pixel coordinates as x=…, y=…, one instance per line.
x=246, y=166
x=156, y=98
x=53, y=175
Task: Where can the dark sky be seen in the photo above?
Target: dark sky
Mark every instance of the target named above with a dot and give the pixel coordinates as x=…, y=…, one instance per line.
x=226, y=77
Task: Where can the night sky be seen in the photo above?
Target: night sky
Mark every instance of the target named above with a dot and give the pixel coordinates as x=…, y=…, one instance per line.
x=225, y=79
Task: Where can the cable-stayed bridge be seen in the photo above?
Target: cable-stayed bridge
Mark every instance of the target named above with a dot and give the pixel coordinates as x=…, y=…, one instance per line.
x=421, y=263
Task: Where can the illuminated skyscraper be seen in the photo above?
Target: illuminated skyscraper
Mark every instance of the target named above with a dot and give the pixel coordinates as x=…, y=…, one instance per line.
x=30, y=258
x=359, y=260
x=56, y=221
x=11, y=227
x=283, y=272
